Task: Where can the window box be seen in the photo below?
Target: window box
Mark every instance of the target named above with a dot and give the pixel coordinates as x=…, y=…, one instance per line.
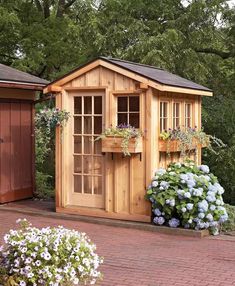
x=113, y=144
x=174, y=146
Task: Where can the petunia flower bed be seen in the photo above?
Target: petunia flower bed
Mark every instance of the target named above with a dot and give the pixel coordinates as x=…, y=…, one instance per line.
x=189, y=196
x=48, y=256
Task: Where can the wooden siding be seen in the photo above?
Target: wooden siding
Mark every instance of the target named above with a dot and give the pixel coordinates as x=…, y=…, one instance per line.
x=125, y=178
x=16, y=153
x=12, y=93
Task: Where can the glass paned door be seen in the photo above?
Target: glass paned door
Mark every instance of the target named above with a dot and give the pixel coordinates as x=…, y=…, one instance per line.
x=87, y=156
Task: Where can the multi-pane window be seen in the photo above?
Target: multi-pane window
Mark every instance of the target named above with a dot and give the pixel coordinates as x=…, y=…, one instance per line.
x=188, y=115
x=128, y=110
x=176, y=115
x=163, y=116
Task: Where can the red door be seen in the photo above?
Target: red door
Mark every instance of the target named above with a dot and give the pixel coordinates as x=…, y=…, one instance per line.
x=16, y=152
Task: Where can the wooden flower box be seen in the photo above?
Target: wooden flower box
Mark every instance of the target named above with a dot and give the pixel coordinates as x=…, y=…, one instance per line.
x=113, y=144
x=174, y=146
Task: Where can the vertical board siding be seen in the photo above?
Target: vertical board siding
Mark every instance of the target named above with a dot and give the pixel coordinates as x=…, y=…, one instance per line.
x=16, y=180
x=5, y=148
x=125, y=179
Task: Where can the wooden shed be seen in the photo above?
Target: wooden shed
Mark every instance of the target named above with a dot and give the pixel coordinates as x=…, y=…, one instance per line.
x=90, y=180
x=17, y=95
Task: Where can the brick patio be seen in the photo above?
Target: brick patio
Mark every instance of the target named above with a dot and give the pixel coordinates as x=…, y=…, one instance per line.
x=141, y=258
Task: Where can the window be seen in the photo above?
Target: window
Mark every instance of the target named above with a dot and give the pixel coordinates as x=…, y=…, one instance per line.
x=176, y=115
x=188, y=115
x=128, y=110
x=163, y=116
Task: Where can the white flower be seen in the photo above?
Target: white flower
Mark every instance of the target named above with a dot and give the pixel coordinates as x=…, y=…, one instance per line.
x=160, y=172
x=22, y=283
x=204, y=169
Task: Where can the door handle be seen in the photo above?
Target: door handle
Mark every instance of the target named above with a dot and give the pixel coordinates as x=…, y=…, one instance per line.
x=1, y=140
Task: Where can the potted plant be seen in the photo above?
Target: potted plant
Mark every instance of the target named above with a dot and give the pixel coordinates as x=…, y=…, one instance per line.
x=123, y=138
x=186, y=140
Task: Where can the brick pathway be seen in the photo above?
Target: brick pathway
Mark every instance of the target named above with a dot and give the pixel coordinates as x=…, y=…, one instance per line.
x=140, y=258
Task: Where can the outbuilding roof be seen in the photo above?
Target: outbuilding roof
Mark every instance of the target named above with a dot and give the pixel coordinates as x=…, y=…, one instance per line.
x=156, y=74
x=155, y=77
x=12, y=75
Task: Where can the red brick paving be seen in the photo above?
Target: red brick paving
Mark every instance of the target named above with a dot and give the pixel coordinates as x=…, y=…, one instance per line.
x=140, y=258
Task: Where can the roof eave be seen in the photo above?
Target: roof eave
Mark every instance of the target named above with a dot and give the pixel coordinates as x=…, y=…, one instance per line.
x=22, y=85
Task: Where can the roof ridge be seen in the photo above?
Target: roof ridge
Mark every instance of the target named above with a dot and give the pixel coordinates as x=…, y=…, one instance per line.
x=125, y=61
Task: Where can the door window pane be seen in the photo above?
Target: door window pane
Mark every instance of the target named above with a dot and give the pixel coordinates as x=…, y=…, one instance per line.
x=97, y=146
x=97, y=124
x=78, y=164
x=87, y=184
x=87, y=144
x=77, y=144
x=97, y=183
x=87, y=164
x=77, y=105
x=87, y=104
x=98, y=104
x=77, y=125
x=87, y=125
x=77, y=184
x=97, y=165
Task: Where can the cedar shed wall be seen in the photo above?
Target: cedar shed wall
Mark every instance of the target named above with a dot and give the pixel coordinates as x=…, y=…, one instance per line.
x=124, y=178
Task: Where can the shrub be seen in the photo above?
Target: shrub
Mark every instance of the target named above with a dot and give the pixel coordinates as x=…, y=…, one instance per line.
x=229, y=225
x=48, y=256
x=187, y=195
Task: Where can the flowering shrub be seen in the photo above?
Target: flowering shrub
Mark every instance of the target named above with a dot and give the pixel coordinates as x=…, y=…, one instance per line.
x=47, y=256
x=125, y=131
x=187, y=195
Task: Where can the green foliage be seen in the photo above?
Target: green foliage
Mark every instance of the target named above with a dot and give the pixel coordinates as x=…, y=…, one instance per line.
x=187, y=195
x=46, y=120
x=126, y=132
x=44, y=187
x=195, y=40
x=229, y=225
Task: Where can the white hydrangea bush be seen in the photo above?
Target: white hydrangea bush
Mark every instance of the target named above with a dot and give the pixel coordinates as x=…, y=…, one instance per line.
x=48, y=256
x=189, y=196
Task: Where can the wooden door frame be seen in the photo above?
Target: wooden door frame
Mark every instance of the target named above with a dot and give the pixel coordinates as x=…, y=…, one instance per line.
x=67, y=103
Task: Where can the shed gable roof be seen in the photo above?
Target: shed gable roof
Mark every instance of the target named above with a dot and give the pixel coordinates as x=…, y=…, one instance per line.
x=153, y=76
x=9, y=74
x=157, y=74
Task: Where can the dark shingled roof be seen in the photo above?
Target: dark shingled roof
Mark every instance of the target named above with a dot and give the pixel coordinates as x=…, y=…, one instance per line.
x=10, y=74
x=156, y=74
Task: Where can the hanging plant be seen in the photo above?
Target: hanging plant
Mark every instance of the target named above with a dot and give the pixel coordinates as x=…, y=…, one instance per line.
x=188, y=139
x=127, y=133
x=49, y=118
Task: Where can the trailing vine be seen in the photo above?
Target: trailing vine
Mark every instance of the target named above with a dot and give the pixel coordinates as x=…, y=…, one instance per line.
x=189, y=139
